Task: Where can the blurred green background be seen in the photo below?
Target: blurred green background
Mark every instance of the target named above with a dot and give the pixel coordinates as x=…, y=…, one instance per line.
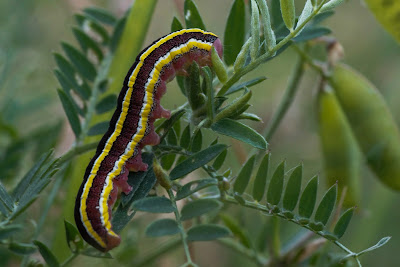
x=31, y=30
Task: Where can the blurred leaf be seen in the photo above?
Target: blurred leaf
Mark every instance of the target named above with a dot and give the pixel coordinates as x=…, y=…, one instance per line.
x=321, y=17
x=154, y=205
x=117, y=33
x=237, y=230
x=197, y=141
x=80, y=62
x=199, y=207
x=276, y=15
x=234, y=31
x=244, y=176
x=261, y=178
x=185, y=138
x=308, y=198
x=87, y=43
x=162, y=227
x=106, y=104
x=22, y=248
x=196, y=160
x=387, y=13
x=293, y=188
x=310, y=33
x=65, y=66
x=99, y=128
x=74, y=239
x=240, y=132
x=275, y=186
x=326, y=205
x=219, y=161
x=192, y=16
x=94, y=26
x=343, y=223
x=46, y=253
x=101, y=15
x=176, y=25
x=194, y=186
x=9, y=231
x=207, y=232
x=31, y=175
x=70, y=111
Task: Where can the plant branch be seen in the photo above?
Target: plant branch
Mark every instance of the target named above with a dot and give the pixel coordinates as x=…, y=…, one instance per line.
x=189, y=261
x=271, y=212
x=75, y=151
x=236, y=76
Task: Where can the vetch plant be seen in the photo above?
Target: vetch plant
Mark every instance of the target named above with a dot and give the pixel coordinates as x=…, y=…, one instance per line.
x=218, y=97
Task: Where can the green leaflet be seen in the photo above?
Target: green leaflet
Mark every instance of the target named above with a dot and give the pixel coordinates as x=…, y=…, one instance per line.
x=308, y=198
x=275, y=186
x=244, y=176
x=162, y=227
x=154, y=205
x=207, y=232
x=293, y=187
x=234, y=32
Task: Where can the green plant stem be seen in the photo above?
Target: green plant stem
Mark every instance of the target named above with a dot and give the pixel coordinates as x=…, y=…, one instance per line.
x=69, y=259
x=248, y=253
x=91, y=108
x=155, y=253
x=181, y=229
x=312, y=63
x=236, y=76
x=75, y=151
x=276, y=242
x=287, y=99
x=269, y=211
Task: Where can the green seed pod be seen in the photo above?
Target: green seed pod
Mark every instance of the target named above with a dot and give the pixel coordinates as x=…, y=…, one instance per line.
x=371, y=122
x=340, y=151
x=161, y=175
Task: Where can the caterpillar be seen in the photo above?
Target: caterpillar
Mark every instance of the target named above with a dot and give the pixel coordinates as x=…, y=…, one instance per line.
x=131, y=128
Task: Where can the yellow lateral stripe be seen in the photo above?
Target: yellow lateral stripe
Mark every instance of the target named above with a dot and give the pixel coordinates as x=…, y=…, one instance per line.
x=116, y=133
